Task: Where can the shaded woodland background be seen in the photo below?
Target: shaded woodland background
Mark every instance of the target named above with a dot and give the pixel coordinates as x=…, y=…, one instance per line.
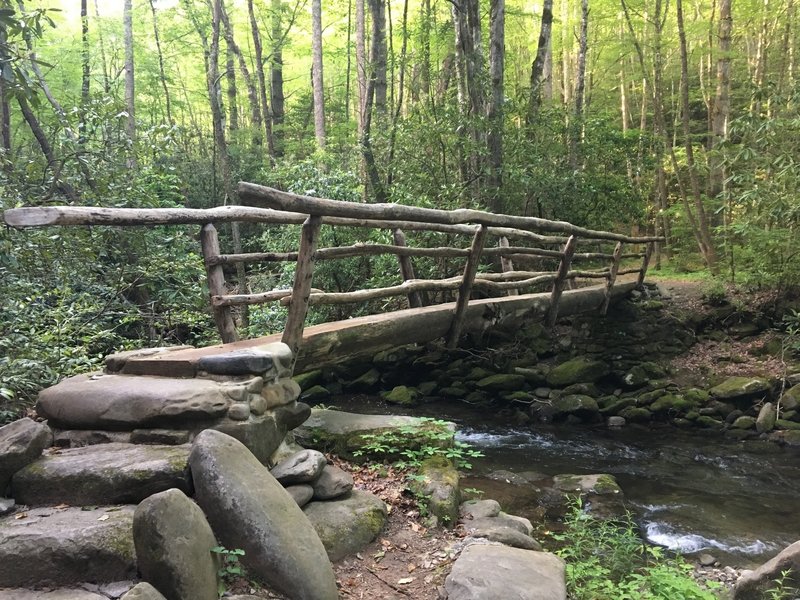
x=672, y=117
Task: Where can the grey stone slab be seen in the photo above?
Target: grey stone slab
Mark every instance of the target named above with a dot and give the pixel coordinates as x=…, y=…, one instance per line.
x=103, y=474
x=64, y=547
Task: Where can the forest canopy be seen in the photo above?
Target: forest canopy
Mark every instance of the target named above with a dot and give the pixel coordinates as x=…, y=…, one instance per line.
x=672, y=118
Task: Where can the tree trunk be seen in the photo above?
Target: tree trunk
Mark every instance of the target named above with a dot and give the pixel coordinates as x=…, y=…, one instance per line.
x=161, y=72
x=580, y=86
x=276, y=78
x=370, y=166
x=539, y=63
x=316, y=72
x=361, y=63
x=700, y=225
x=127, y=19
x=230, y=77
x=101, y=43
x=425, y=47
x=400, y=96
x=760, y=60
x=566, y=44
x=722, y=108
x=261, y=79
x=494, y=112
x=378, y=53
x=85, y=66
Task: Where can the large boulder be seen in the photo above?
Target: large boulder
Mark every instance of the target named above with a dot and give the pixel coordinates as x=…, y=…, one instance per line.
x=577, y=370
x=66, y=546
x=753, y=585
x=346, y=433
x=766, y=418
x=790, y=399
x=248, y=509
x=123, y=402
x=600, y=494
x=347, y=524
x=580, y=405
x=21, y=442
x=107, y=473
x=493, y=571
x=741, y=389
x=173, y=547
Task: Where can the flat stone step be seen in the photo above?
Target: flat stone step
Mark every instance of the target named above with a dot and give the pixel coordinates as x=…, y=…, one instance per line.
x=124, y=402
x=102, y=474
x=60, y=547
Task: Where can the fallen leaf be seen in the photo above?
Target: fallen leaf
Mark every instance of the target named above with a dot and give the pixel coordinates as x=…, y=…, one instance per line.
x=379, y=555
x=103, y=518
x=21, y=516
x=405, y=580
x=61, y=506
x=412, y=567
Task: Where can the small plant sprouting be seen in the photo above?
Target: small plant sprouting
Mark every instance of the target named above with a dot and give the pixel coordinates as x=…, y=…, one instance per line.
x=781, y=590
x=229, y=567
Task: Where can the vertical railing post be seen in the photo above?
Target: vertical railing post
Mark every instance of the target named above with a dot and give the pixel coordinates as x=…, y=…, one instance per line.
x=612, y=277
x=507, y=264
x=406, y=268
x=215, y=276
x=465, y=289
x=309, y=237
x=561, y=276
x=648, y=252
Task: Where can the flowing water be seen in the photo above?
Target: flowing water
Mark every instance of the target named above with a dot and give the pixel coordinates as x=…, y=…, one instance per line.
x=688, y=491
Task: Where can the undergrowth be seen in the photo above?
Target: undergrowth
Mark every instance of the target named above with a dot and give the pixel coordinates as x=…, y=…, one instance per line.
x=607, y=560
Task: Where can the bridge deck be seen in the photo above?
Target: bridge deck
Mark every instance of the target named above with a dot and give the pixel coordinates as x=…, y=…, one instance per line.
x=338, y=341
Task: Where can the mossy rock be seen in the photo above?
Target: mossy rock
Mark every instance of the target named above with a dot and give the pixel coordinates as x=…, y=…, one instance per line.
x=316, y=393
x=744, y=422
x=617, y=405
x=736, y=388
x=438, y=487
x=453, y=391
x=585, y=389
x=502, y=382
x=671, y=403
x=478, y=373
x=696, y=396
x=577, y=370
x=636, y=377
x=366, y=382
x=518, y=396
x=709, y=422
x=535, y=376
x=635, y=414
x=427, y=388
x=402, y=395
x=579, y=405
x=792, y=438
x=784, y=424
x=790, y=399
x=308, y=379
x=647, y=398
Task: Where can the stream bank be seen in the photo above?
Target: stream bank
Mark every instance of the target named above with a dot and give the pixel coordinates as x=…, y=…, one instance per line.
x=702, y=469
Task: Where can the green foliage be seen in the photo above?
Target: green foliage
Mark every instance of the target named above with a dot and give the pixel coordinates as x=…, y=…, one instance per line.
x=607, y=560
x=781, y=590
x=791, y=325
x=409, y=445
x=229, y=568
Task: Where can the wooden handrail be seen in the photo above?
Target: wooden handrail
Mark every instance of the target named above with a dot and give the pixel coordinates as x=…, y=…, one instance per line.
x=273, y=207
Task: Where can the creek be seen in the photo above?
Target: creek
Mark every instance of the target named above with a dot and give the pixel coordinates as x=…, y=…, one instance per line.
x=688, y=490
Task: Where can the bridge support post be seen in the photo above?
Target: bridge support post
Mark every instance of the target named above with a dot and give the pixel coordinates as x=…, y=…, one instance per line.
x=209, y=241
x=648, y=252
x=612, y=277
x=309, y=237
x=464, y=291
x=561, y=277
x=406, y=268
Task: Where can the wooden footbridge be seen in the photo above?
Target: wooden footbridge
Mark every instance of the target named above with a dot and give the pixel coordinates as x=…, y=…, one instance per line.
x=431, y=311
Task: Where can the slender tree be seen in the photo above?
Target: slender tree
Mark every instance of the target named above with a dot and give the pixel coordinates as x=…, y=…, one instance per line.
x=276, y=76
x=494, y=109
x=162, y=74
x=130, y=91
x=316, y=72
x=540, y=62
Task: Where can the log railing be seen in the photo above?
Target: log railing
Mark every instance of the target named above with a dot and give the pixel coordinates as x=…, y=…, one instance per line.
x=520, y=239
